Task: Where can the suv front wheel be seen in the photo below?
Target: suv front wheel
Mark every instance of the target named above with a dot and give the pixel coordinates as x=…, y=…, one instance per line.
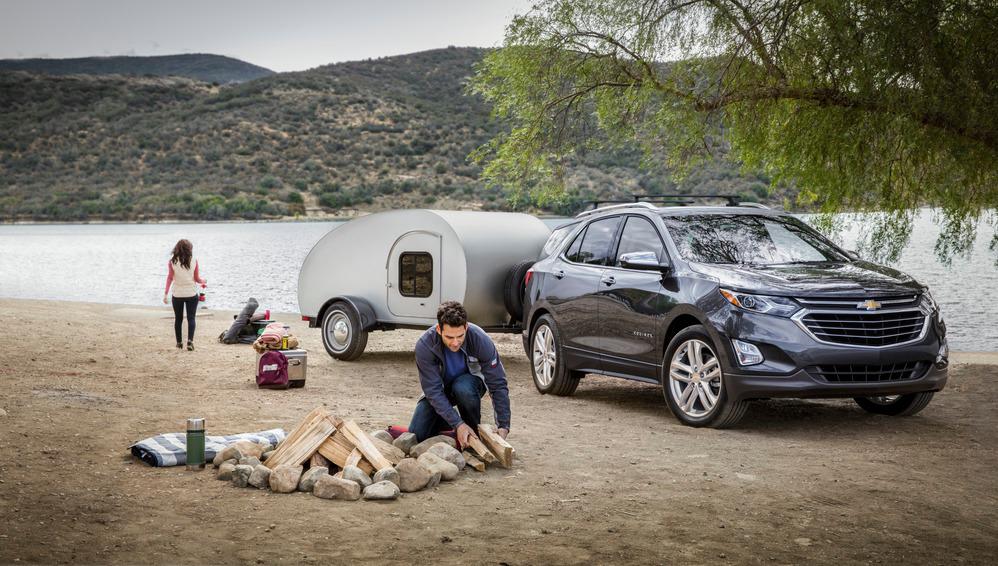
x=547, y=363
x=693, y=382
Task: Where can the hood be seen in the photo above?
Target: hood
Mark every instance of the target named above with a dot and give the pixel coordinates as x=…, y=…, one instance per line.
x=847, y=279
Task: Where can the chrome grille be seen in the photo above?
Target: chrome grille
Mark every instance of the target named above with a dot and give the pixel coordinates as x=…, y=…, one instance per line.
x=871, y=329
x=861, y=373
x=852, y=304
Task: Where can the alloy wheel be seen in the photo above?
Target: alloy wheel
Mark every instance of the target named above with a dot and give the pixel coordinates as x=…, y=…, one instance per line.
x=544, y=356
x=695, y=378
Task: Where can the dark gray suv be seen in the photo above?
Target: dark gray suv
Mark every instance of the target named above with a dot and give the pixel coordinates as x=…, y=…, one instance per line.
x=725, y=304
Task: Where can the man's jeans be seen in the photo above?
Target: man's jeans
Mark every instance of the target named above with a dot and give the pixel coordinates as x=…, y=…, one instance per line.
x=466, y=392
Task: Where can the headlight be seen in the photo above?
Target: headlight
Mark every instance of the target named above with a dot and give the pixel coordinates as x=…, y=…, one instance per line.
x=779, y=306
x=931, y=304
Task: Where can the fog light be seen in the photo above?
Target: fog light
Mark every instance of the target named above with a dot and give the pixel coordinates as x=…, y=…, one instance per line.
x=942, y=358
x=748, y=354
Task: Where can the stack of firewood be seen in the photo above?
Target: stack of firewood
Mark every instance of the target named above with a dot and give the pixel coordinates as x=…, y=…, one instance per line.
x=344, y=444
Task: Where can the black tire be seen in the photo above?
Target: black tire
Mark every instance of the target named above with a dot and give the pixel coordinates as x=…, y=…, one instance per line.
x=723, y=412
x=895, y=405
x=559, y=380
x=344, y=341
x=514, y=289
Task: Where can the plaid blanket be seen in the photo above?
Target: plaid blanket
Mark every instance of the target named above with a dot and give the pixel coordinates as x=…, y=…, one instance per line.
x=170, y=449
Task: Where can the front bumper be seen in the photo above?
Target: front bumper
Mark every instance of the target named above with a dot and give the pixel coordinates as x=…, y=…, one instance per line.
x=791, y=356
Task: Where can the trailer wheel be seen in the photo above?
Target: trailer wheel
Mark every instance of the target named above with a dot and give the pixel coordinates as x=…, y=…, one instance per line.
x=342, y=335
x=514, y=289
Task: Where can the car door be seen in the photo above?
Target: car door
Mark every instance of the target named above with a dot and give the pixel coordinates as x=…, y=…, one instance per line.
x=572, y=288
x=632, y=305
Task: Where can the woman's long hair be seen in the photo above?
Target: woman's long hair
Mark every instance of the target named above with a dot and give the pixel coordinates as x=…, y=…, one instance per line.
x=182, y=253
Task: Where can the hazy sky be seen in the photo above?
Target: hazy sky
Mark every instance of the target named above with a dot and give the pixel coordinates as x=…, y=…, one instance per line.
x=286, y=35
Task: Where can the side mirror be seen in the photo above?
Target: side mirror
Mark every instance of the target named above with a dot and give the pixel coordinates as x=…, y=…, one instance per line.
x=645, y=261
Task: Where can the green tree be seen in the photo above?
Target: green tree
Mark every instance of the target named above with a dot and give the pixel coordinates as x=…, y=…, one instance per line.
x=866, y=105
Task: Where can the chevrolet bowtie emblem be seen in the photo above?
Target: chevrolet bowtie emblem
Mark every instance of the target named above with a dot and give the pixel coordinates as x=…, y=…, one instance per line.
x=869, y=305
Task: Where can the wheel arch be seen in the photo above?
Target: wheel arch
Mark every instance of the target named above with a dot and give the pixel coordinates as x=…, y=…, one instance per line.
x=364, y=310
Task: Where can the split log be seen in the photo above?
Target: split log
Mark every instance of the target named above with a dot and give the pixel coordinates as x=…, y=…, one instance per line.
x=473, y=462
x=318, y=461
x=496, y=443
x=354, y=458
x=303, y=446
x=391, y=453
x=480, y=450
x=337, y=449
x=363, y=443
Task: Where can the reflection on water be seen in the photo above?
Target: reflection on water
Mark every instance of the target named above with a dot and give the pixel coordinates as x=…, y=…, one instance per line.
x=126, y=263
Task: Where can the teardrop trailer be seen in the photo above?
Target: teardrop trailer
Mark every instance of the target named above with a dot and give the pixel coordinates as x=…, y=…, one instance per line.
x=393, y=269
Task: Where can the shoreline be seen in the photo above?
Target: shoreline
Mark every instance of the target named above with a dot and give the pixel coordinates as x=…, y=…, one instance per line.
x=970, y=357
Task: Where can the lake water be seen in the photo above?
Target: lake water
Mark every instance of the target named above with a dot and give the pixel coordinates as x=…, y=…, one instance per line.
x=126, y=263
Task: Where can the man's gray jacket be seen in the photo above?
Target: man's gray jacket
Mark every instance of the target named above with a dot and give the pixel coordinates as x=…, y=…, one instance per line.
x=483, y=361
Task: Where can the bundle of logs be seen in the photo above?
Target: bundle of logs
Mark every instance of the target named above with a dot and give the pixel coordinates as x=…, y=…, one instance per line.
x=334, y=459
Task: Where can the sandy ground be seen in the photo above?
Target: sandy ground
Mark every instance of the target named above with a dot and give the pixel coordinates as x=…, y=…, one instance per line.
x=606, y=476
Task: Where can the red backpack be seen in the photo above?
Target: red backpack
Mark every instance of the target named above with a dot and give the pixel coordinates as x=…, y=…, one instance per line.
x=272, y=372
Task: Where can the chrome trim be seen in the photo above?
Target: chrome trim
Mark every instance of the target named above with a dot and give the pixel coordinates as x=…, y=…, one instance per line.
x=617, y=207
x=851, y=303
x=797, y=318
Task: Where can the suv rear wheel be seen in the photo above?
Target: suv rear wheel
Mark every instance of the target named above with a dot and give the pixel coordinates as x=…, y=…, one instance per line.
x=693, y=382
x=895, y=405
x=547, y=363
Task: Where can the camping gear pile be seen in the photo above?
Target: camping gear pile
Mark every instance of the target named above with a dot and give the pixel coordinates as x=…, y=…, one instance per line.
x=333, y=458
x=245, y=327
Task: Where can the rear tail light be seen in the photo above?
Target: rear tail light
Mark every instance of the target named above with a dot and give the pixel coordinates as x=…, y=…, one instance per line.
x=526, y=278
x=305, y=318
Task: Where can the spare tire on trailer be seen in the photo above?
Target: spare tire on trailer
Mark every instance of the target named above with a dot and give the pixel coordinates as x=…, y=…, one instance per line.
x=515, y=288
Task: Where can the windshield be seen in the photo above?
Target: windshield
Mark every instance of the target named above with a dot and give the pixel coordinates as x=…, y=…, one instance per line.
x=749, y=239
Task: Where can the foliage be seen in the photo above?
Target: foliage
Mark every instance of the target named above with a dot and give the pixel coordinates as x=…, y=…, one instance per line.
x=199, y=66
x=867, y=105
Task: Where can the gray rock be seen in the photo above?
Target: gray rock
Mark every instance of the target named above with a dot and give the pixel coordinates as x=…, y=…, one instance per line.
x=265, y=455
x=312, y=475
x=435, y=463
x=251, y=461
x=241, y=475
x=249, y=448
x=383, y=436
x=353, y=473
x=388, y=474
x=405, y=442
x=218, y=460
x=338, y=475
x=381, y=491
x=230, y=452
x=412, y=476
x=447, y=453
x=328, y=487
x=284, y=478
x=418, y=450
x=434, y=480
x=260, y=478
x=225, y=471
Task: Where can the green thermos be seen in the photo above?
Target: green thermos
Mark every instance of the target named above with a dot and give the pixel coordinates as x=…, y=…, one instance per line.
x=195, y=444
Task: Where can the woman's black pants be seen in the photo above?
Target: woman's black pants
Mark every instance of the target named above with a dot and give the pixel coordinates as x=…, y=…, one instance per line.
x=178, y=312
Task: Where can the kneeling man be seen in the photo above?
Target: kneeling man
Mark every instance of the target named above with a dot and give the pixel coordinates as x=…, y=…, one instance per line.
x=457, y=363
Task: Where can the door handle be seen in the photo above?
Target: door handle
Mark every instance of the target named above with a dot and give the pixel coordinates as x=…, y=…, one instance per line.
x=559, y=273
x=609, y=280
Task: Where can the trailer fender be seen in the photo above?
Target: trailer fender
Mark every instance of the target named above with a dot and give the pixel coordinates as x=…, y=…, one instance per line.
x=368, y=320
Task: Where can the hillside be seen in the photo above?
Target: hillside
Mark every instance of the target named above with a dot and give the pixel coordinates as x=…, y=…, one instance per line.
x=369, y=135
x=198, y=66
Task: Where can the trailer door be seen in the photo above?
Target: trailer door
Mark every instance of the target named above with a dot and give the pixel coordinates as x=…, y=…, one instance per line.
x=414, y=275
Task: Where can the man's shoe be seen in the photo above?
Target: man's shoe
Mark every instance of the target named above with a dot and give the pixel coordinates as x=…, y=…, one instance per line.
x=190, y=346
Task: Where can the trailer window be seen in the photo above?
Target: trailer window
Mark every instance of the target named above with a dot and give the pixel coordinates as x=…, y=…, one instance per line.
x=415, y=274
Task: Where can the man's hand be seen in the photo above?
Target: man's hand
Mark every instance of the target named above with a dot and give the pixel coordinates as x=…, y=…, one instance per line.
x=503, y=432
x=464, y=432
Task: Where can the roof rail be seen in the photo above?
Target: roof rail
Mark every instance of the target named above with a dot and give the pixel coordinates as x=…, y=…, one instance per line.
x=683, y=199
x=753, y=205
x=616, y=207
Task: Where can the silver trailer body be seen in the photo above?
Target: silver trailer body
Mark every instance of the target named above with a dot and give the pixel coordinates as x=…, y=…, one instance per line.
x=393, y=269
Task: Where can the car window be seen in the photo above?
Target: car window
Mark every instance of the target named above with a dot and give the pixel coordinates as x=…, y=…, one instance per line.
x=595, y=242
x=749, y=239
x=640, y=235
x=556, y=238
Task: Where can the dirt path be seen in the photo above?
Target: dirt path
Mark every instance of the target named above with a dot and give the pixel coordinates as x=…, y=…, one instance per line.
x=606, y=476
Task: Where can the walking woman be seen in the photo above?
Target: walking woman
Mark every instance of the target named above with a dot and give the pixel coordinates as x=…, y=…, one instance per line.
x=184, y=276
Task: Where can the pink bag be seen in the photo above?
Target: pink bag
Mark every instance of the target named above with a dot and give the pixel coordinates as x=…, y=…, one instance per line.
x=272, y=372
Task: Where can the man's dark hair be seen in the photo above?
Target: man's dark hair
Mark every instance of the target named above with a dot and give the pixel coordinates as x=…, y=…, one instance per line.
x=451, y=313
